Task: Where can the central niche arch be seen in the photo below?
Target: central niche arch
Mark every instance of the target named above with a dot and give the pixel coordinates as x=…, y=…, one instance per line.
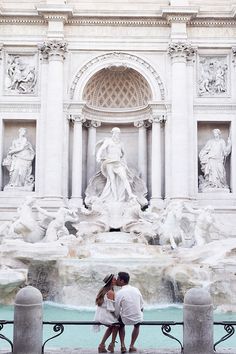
x=117, y=88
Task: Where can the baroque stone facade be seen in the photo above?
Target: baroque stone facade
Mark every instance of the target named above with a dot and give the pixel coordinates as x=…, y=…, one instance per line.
x=160, y=75
x=164, y=75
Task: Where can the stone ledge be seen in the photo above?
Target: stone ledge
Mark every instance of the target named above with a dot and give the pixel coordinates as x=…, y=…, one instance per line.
x=142, y=351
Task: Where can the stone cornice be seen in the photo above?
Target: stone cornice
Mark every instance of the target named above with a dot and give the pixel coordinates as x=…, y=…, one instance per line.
x=213, y=22
x=179, y=13
x=118, y=116
x=25, y=20
x=226, y=107
x=128, y=21
x=20, y=107
x=55, y=12
x=120, y=21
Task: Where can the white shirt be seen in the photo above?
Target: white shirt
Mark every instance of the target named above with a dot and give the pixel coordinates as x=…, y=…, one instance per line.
x=128, y=304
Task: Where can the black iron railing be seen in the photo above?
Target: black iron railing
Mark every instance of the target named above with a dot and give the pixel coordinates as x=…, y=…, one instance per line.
x=229, y=327
x=4, y=323
x=166, y=327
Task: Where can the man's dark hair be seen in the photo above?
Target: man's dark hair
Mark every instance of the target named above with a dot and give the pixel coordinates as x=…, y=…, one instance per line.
x=124, y=276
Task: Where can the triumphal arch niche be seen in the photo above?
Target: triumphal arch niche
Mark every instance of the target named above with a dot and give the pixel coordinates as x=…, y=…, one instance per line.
x=121, y=90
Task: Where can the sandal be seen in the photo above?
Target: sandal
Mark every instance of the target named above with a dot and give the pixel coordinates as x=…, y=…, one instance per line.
x=111, y=347
x=123, y=349
x=132, y=350
x=102, y=348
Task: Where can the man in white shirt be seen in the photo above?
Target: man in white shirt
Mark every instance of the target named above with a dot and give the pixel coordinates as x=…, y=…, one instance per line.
x=129, y=307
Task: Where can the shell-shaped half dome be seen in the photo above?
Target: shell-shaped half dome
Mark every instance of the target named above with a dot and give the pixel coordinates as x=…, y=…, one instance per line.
x=117, y=88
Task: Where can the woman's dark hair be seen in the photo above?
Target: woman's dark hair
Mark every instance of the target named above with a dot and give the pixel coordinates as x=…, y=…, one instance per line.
x=100, y=296
x=124, y=276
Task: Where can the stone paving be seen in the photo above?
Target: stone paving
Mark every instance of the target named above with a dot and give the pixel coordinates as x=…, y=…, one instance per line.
x=142, y=351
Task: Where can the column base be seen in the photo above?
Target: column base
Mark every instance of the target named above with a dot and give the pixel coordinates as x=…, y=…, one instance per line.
x=52, y=201
x=76, y=202
x=156, y=203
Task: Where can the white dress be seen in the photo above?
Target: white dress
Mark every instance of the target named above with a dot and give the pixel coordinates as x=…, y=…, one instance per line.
x=105, y=314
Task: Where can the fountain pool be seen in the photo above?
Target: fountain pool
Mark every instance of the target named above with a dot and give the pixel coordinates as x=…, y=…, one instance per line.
x=85, y=337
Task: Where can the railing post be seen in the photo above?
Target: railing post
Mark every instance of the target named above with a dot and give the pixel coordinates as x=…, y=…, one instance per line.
x=28, y=322
x=198, y=322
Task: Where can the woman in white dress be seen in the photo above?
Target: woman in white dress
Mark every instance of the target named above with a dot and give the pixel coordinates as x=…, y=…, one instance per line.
x=105, y=313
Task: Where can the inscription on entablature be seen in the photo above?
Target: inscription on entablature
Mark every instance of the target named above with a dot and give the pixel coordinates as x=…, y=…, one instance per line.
x=212, y=76
x=20, y=74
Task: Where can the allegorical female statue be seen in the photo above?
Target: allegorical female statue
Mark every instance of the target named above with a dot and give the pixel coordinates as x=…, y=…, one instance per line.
x=19, y=161
x=212, y=159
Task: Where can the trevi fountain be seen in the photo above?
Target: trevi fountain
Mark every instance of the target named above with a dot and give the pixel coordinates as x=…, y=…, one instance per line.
x=118, y=148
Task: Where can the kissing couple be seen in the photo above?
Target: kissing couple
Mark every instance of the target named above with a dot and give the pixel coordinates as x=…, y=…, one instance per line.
x=115, y=310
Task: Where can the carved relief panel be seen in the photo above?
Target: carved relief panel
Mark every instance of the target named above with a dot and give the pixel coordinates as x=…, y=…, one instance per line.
x=20, y=74
x=213, y=76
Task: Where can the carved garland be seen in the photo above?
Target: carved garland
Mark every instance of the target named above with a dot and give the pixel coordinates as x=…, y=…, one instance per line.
x=118, y=55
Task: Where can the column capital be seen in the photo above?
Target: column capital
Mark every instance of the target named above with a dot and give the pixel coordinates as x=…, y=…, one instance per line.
x=142, y=123
x=234, y=55
x=157, y=118
x=92, y=124
x=1, y=51
x=76, y=118
x=53, y=49
x=181, y=50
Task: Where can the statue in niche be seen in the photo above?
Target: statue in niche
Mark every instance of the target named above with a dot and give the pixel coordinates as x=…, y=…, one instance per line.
x=213, y=76
x=115, y=182
x=18, y=162
x=212, y=159
x=21, y=76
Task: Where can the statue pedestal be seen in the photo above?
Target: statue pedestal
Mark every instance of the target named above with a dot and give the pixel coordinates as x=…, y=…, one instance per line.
x=215, y=190
x=121, y=245
x=116, y=211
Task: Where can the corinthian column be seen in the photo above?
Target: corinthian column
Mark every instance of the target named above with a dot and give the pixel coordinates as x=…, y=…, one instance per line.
x=142, y=148
x=54, y=122
x=157, y=163
x=179, y=127
x=92, y=126
x=233, y=133
x=77, y=159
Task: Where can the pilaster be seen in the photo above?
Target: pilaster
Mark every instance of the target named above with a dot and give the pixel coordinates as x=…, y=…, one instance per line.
x=233, y=129
x=54, y=118
x=56, y=14
x=180, y=130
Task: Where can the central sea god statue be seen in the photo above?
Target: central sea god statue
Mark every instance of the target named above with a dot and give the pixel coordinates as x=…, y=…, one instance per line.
x=115, y=182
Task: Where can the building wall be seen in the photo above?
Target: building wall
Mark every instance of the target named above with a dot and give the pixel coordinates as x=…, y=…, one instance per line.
x=92, y=30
